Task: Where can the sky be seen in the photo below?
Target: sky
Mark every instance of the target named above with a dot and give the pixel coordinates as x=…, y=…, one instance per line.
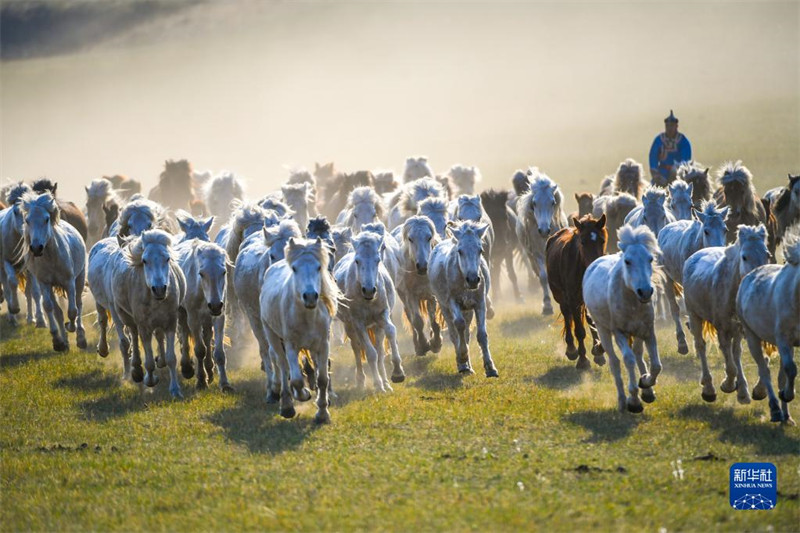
x=256, y=87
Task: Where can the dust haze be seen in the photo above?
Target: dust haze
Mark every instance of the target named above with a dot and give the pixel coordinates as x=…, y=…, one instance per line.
x=256, y=87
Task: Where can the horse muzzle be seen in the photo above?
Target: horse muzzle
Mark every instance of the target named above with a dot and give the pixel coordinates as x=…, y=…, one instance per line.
x=310, y=299
x=544, y=232
x=37, y=249
x=644, y=295
x=215, y=308
x=422, y=270
x=369, y=293
x=160, y=292
x=473, y=282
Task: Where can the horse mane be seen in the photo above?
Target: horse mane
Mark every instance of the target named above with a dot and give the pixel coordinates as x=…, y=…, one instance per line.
x=693, y=172
x=413, y=164
x=539, y=182
x=180, y=170
x=45, y=200
x=301, y=175
x=641, y=235
x=44, y=185
x=731, y=174
x=377, y=228
x=469, y=200
x=225, y=180
x=133, y=253
x=417, y=219
x=287, y=229
x=213, y=249
x=679, y=185
x=329, y=292
x=319, y=227
x=244, y=215
x=375, y=237
x=416, y=191
x=791, y=249
x=366, y=195
x=385, y=180
x=100, y=189
x=710, y=209
x=626, y=168
x=16, y=191
x=430, y=206
x=746, y=233
x=654, y=194
x=461, y=174
x=271, y=203
x=157, y=213
x=521, y=182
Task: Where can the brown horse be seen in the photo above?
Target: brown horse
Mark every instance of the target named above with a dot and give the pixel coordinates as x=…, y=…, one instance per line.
x=585, y=205
x=175, y=187
x=70, y=212
x=124, y=187
x=569, y=253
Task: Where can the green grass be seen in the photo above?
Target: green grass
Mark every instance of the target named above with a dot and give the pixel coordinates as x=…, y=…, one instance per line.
x=83, y=451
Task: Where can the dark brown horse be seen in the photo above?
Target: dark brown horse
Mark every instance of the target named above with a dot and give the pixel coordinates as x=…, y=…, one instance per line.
x=569, y=252
x=70, y=212
x=505, y=239
x=585, y=205
x=175, y=187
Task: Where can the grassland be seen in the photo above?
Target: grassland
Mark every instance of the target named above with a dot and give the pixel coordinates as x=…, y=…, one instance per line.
x=541, y=448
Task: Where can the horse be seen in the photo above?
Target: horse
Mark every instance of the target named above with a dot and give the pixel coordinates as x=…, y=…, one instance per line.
x=175, y=187
x=138, y=216
x=569, y=253
x=147, y=292
x=257, y=252
x=417, y=239
x=678, y=241
x=364, y=206
x=539, y=215
x=270, y=203
x=192, y=228
x=320, y=227
x=469, y=207
x=100, y=200
x=406, y=203
x=459, y=278
x=219, y=194
x=464, y=178
x=618, y=291
x=736, y=190
x=585, y=201
x=768, y=304
x=697, y=175
x=711, y=278
x=341, y=242
x=436, y=209
x=653, y=212
x=299, y=299
x=12, y=259
x=341, y=187
x=786, y=207
x=680, y=203
x=200, y=316
x=417, y=167
x=300, y=199
x=70, y=212
x=628, y=178
x=504, y=222
x=124, y=187
x=385, y=182
x=391, y=252
x=616, y=208
x=55, y=255
x=367, y=287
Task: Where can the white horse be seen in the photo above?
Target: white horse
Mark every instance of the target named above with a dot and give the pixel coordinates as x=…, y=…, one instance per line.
x=653, y=212
x=618, y=291
x=137, y=216
x=100, y=195
x=368, y=289
x=464, y=178
x=205, y=266
x=616, y=207
x=459, y=276
x=257, y=253
x=300, y=199
x=220, y=195
x=364, y=206
x=711, y=278
x=341, y=241
x=299, y=299
x=768, y=305
x=679, y=240
x=391, y=252
x=436, y=209
x=147, y=291
x=539, y=215
x=417, y=167
x=470, y=207
x=56, y=257
x=680, y=200
x=417, y=239
x=410, y=196
x=192, y=227
x=12, y=259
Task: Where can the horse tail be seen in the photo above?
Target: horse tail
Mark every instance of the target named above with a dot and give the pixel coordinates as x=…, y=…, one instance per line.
x=708, y=329
x=59, y=291
x=677, y=288
x=307, y=361
x=768, y=348
x=21, y=280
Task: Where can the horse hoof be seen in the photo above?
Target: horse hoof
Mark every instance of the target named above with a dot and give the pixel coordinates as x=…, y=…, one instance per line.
x=226, y=389
x=759, y=392
x=69, y=326
x=683, y=348
x=709, y=397
x=547, y=311
x=288, y=412
x=60, y=346
x=648, y=395
x=572, y=354
x=398, y=378
x=743, y=399
x=490, y=313
x=102, y=351
x=789, y=421
x=151, y=380
x=187, y=370
x=583, y=364
x=465, y=368
x=176, y=394
x=210, y=375
x=40, y=324
x=726, y=388
x=436, y=346
x=597, y=350
x=322, y=418
x=82, y=344
x=776, y=416
x=137, y=374
x=492, y=373
x=783, y=397
x=303, y=394
x=599, y=360
x=635, y=407
x=273, y=397
x=202, y=385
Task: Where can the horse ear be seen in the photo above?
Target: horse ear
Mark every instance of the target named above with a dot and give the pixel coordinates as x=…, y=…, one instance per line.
x=316, y=166
x=577, y=197
x=576, y=222
x=724, y=212
x=698, y=215
x=292, y=243
x=762, y=231
x=207, y=223
x=601, y=222
x=87, y=187
x=705, y=172
x=691, y=188
x=55, y=186
x=120, y=241
x=482, y=229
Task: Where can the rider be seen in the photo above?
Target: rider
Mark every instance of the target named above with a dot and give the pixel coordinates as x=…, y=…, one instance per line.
x=669, y=149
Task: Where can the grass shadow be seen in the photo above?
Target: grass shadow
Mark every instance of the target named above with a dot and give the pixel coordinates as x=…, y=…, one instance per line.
x=524, y=325
x=91, y=381
x=604, y=425
x=735, y=429
x=683, y=368
x=21, y=358
x=558, y=378
x=116, y=404
x=440, y=381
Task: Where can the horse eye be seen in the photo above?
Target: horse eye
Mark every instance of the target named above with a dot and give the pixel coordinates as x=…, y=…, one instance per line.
x=319, y=268
x=705, y=231
x=294, y=270
x=627, y=263
x=144, y=261
x=358, y=262
x=411, y=240
x=744, y=258
x=554, y=202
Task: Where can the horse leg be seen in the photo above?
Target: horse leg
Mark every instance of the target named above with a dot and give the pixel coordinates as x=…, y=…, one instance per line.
x=355, y=344
x=270, y=365
x=629, y=358
x=296, y=373
x=80, y=331
x=512, y=274
x=597, y=347
x=36, y=294
x=200, y=351
x=460, y=340
x=483, y=342
x=683, y=347
x=29, y=299
x=789, y=370
x=764, y=377
x=613, y=365
x=10, y=289
x=172, y=363
x=709, y=393
x=55, y=317
x=161, y=360
x=125, y=347
x=497, y=263
x=417, y=322
x=278, y=355
x=207, y=332
x=322, y=416
x=372, y=357
x=436, y=339
x=572, y=352
x=219, y=354
x=547, y=306
x=729, y=383
x=742, y=389
x=136, y=356
x=187, y=370
x=150, y=377
x=102, y=320
x=580, y=334
x=398, y=374
x=380, y=336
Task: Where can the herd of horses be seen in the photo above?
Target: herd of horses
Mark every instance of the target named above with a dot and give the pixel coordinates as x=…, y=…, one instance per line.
x=329, y=254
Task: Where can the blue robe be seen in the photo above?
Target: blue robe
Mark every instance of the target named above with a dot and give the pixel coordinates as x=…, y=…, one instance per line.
x=666, y=153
